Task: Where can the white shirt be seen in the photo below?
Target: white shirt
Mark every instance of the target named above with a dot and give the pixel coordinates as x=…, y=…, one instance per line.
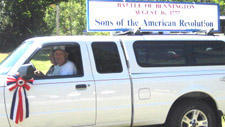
x=66, y=69
x=50, y=71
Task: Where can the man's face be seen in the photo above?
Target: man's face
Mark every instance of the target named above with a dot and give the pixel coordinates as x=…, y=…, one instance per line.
x=52, y=59
x=60, y=57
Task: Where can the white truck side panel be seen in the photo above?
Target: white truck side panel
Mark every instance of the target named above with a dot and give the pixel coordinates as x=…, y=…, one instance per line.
x=3, y=117
x=157, y=88
x=166, y=87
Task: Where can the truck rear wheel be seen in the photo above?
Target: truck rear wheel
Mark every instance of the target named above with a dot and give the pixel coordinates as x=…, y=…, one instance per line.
x=192, y=114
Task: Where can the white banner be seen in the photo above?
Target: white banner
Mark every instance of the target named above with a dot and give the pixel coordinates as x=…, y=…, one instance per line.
x=117, y=15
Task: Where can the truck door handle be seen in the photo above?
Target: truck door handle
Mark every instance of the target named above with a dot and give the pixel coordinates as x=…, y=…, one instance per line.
x=81, y=86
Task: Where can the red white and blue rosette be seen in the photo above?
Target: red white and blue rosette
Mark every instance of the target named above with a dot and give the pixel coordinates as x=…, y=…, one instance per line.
x=20, y=104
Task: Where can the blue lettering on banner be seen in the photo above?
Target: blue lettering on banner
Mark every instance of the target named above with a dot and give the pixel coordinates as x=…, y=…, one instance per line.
x=159, y=23
x=131, y=22
x=195, y=23
x=98, y=22
x=152, y=23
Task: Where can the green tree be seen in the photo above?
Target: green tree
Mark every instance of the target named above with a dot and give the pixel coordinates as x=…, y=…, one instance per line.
x=72, y=18
x=222, y=6
x=23, y=19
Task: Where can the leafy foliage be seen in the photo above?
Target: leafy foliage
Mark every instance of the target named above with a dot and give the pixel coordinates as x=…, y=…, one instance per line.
x=72, y=17
x=222, y=6
x=23, y=19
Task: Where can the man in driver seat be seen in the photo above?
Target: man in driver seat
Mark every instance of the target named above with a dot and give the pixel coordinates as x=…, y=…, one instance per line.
x=64, y=66
x=61, y=64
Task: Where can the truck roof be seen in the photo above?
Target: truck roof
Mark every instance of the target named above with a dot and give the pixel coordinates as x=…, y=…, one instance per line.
x=49, y=39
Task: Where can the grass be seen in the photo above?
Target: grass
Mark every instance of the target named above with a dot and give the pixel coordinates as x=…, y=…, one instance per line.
x=3, y=56
x=41, y=65
x=41, y=61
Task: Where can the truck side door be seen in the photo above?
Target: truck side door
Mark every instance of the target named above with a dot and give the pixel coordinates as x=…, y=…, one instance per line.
x=59, y=101
x=113, y=89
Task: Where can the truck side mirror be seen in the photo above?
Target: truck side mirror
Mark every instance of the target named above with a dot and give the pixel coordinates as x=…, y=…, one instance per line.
x=27, y=70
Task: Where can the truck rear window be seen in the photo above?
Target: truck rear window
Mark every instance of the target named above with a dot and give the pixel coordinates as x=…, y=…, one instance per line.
x=106, y=57
x=179, y=53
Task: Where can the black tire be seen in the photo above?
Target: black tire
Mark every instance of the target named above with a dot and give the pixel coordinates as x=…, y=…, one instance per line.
x=182, y=115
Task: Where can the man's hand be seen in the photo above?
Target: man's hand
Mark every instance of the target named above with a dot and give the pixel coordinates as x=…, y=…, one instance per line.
x=38, y=73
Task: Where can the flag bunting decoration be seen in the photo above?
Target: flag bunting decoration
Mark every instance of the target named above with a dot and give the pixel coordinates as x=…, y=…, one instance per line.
x=20, y=104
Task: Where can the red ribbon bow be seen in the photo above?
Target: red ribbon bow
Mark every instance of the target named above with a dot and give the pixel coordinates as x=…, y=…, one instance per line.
x=20, y=105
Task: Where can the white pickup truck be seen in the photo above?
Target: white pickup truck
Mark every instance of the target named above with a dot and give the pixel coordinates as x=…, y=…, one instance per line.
x=175, y=80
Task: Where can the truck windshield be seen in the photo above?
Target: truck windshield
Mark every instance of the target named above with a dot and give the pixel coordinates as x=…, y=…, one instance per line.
x=11, y=60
